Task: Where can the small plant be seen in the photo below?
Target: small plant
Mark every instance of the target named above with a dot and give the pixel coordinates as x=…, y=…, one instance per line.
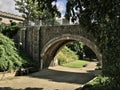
x=104, y=83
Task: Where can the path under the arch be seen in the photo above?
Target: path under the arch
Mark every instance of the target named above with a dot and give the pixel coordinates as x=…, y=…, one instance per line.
x=54, y=78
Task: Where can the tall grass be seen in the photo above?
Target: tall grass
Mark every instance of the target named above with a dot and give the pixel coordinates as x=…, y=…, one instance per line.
x=66, y=55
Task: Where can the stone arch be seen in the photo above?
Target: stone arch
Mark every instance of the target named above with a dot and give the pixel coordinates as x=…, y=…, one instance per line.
x=50, y=49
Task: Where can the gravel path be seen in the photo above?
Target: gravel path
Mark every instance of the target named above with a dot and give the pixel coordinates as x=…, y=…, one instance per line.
x=54, y=78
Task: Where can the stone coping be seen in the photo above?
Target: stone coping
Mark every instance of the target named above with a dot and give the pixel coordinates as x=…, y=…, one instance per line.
x=11, y=16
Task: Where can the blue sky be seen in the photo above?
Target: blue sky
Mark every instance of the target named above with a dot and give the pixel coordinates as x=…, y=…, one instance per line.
x=61, y=4
x=9, y=6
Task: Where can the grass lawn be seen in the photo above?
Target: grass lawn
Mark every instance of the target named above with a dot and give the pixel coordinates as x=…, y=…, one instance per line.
x=76, y=64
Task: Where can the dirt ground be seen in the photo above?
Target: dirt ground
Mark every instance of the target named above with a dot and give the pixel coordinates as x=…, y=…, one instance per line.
x=54, y=78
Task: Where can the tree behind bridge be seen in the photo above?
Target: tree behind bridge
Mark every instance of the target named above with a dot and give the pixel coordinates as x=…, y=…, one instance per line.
x=36, y=10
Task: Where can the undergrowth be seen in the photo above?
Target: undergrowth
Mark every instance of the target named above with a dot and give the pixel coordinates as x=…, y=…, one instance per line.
x=66, y=55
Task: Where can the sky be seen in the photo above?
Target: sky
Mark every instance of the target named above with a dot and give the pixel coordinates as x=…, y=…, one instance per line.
x=9, y=6
x=61, y=4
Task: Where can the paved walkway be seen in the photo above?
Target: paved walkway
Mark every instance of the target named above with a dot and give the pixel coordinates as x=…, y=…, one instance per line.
x=54, y=78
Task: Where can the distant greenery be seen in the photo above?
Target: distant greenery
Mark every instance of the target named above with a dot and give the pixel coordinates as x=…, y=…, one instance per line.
x=77, y=47
x=76, y=64
x=89, y=53
x=66, y=55
x=10, y=57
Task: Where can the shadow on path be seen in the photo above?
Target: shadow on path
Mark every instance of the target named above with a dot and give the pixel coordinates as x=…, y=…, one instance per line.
x=54, y=78
x=64, y=76
x=9, y=88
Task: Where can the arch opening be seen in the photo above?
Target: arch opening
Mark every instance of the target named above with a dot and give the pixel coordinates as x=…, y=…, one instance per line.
x=50, y=50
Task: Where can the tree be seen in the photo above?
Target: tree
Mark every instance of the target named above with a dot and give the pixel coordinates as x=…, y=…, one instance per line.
x=48, y=8
x=77, y=47
x=101, y=18
x=33, y=10
x=89, y=53
x=10, y=30
x=28, y=9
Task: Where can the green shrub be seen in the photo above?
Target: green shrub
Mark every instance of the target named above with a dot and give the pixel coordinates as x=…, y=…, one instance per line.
x=9, y=55
x=104, y=83
x=61, y=60
x=1, y=27
x=11, y=58
x=10, y=30
x=66, y=55
x=99, y=83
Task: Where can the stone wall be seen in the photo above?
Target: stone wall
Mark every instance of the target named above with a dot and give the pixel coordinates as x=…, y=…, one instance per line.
x=51, y=32
x=54, y=37
x=43, y=43
x=28, y=40
x=5, y=18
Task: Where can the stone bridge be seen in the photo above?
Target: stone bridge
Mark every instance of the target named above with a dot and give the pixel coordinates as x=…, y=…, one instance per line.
x=43, y=43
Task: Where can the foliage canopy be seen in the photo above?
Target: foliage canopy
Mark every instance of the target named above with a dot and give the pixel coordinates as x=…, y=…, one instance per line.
x=101, y=18
x=10, y=30
x=33, y=10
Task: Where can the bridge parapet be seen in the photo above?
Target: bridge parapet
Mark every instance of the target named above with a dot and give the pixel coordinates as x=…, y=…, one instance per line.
x=51, y=32
x=54, y=37
x=43, y=43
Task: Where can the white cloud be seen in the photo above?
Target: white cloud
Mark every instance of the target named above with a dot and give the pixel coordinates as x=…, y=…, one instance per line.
x=0, y=3
x=61, y=7
x=8, y=6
